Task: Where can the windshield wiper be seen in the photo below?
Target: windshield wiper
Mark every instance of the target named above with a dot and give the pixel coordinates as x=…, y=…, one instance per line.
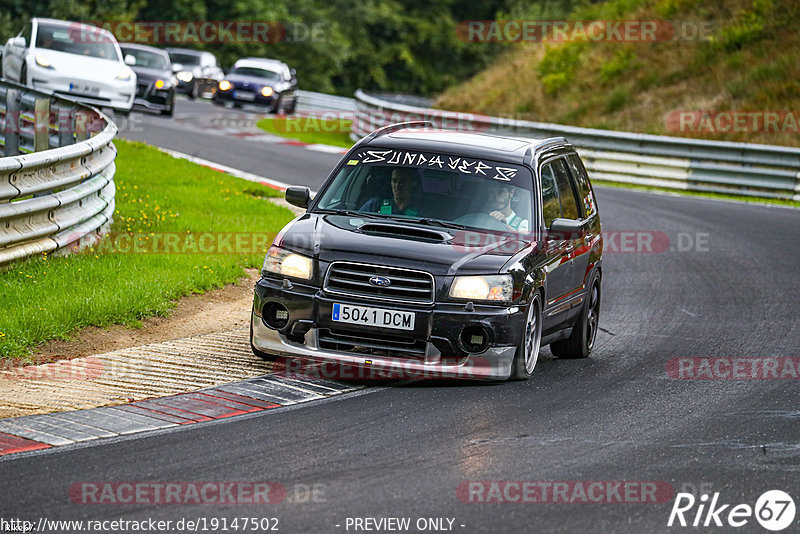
x=437, y=222
x=351, y=213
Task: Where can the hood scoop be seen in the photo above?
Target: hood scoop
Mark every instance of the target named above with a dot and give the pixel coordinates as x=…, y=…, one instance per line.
x=407, y=232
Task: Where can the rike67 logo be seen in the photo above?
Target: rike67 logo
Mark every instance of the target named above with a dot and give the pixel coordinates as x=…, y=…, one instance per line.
x=774, y=510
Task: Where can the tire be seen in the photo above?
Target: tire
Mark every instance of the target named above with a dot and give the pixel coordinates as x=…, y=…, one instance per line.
x=293, y=108
x=528, y=349
x=581, y=342
x=23, y=74
x=194, y=92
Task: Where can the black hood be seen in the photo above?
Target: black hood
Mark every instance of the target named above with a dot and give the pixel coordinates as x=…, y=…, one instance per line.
x=384, y=241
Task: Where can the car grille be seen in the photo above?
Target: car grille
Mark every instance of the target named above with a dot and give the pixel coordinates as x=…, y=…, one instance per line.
x=405, y=285
x=372, y=345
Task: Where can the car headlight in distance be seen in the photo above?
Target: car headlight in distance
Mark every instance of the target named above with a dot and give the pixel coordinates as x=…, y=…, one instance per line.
x=224, y=85
x=498, y=288
x=267, y=91
x=124, y=73
x=184, y=76
x=286, y=263
x=43, y=62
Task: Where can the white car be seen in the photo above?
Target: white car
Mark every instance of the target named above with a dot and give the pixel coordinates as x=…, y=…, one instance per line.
x=73, y=59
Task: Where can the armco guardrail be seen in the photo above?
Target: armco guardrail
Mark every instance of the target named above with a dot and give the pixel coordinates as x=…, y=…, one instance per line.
x=309, y=101
x=656, y=160
x=57, y=176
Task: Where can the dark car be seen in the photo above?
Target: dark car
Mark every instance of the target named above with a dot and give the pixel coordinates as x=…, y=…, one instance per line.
x=437, y=253
x=198, y=72
x=155, y=83
x=262, y=82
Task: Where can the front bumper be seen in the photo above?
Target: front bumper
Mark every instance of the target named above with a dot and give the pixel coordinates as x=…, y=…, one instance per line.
x=436, y=330
x=117, y=94
x=149, y=97
x=246, y=96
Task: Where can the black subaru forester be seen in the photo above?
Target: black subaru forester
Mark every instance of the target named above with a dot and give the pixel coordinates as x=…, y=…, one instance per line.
x=437, y=253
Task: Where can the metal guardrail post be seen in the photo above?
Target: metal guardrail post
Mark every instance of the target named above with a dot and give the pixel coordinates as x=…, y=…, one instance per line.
x=41, y=121
x=11, y=130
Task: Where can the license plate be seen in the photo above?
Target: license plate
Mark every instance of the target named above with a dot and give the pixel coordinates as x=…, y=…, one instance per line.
x=86, y=89
x=244, y=95
x=400, y=320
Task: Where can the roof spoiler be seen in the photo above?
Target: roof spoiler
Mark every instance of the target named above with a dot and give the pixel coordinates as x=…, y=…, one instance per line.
x=384, y=130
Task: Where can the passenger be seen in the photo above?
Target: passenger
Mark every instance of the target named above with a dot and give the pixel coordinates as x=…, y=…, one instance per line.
x=405, y=195
x=500, y=196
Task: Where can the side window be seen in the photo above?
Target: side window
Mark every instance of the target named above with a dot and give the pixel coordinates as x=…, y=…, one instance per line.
x=26, y=33
x=584, y=190
x=569, y=204
x=551, y=207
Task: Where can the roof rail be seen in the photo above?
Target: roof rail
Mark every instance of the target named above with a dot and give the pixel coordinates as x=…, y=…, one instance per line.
x=384, y=130
x=551, y=141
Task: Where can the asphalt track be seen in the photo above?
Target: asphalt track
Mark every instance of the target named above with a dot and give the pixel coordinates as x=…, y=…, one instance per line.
x=403, y=451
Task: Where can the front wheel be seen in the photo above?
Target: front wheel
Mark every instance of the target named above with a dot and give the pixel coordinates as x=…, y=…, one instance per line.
x=528, y=350
x=581, y=342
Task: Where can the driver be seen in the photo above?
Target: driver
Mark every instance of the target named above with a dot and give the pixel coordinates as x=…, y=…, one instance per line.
x=500, y=208
x=404, y=201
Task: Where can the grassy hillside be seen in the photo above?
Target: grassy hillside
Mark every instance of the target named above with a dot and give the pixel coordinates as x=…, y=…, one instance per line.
x=748, y=61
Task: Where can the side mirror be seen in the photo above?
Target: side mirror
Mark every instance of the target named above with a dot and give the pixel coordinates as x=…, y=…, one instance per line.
x=130, y=59
x=17, y=41
x=564, y=229
x=293, y=72
x=298, y=196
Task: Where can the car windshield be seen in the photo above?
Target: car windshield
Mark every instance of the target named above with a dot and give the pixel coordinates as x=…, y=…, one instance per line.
x=257, y=72
x=184, y=59
x=435, y=189
x=78, y=39
x=146, y=59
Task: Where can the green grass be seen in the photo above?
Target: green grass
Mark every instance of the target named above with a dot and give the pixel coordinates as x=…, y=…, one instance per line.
x=45, y=298
x=313, y=130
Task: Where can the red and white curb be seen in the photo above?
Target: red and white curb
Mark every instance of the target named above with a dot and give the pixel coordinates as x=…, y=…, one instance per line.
x=36, y=432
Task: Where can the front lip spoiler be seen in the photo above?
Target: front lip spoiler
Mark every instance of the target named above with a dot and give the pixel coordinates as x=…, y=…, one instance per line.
x=492, y=364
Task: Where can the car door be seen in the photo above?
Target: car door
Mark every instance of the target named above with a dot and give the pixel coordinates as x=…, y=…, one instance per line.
x=590, y=227
x=559, y=269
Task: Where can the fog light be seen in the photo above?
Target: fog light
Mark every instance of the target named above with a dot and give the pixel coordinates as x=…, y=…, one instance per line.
x=275, y=315
x=474, y=339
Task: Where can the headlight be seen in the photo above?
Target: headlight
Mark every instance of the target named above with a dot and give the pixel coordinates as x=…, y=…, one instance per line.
x=224, y=85
x=184, y=76
x=124, y=73
x=43, y=62
x=267, y=91
x=494, y=287
x=286, y=263
x=159, y=84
